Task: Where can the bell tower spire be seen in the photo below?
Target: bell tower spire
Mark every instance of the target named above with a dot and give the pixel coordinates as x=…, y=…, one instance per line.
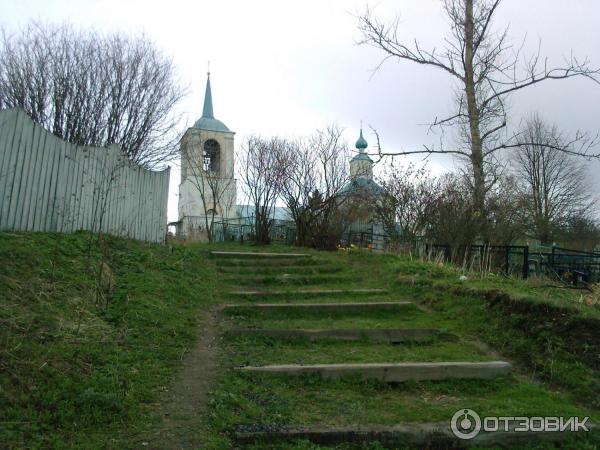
x=207, y=111
x=208, y=122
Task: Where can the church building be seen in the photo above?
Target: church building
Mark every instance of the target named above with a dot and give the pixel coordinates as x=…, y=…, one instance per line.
x=207, y=191
x=361, y=196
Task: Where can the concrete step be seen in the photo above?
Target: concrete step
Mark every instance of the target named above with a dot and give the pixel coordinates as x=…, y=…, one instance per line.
x=391, y=335
x=322, y=307
x=268, y=255
x=266, y=263
x=283, y=268
x=393, y=372
x=264, y=293
x=286, y=279
x=418, y=435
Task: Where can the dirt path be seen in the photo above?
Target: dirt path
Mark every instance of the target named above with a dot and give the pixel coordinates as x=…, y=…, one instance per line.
x=185, y=403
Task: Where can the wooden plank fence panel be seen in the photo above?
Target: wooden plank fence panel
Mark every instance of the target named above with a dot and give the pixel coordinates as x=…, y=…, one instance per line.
x=42, y=193
x=47, y=184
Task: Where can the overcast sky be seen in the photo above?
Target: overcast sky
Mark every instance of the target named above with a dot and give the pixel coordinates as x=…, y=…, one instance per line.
x=289, y=67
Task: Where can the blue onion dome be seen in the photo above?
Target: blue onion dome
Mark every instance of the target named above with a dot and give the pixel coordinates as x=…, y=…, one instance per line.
x=361, y=143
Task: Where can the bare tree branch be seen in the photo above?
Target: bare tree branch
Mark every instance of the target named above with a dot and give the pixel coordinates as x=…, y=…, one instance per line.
x=487, y=70
x=94, y=89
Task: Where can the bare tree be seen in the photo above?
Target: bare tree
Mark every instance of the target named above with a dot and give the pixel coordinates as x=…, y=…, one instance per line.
x=94, y=89
x=315, y=174
x=201, y=166
x=299, y=182
x=554, y=183
x=261, y=175
x=333, y=176
x=487, y=69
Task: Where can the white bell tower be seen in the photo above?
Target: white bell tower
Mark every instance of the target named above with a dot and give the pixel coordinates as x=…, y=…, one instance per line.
x=208, y=186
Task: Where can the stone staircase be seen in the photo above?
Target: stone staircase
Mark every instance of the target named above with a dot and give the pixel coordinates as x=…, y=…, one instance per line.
x=301, y=302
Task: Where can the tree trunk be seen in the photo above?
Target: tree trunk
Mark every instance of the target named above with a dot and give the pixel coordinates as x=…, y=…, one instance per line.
x=472, y=109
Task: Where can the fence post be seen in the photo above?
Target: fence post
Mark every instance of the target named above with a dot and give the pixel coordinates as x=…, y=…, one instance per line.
x=481, y=257
x=526, y=262
x=507, y=259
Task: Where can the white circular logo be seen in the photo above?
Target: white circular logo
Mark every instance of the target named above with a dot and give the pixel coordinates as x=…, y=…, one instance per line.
x=465, y=424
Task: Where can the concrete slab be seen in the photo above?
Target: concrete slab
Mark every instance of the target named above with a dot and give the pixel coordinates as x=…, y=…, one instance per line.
x=253, y=293
x=285, y=281
x=380, y=335
x=263, y=264
x=394, y=372
x=323, y=307
x=259, y=255
x=285, y=276
x=277, y=266
x=423, y=435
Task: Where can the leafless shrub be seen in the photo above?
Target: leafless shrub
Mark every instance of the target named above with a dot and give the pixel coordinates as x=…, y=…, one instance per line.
x=315, y=175
x=452, y=218
x=407, y=200
x=261, y=165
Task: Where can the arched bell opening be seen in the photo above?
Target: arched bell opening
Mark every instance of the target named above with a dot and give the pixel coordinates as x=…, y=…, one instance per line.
x=212, y=156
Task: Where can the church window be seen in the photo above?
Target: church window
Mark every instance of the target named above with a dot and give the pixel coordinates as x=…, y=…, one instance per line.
x=212, y=155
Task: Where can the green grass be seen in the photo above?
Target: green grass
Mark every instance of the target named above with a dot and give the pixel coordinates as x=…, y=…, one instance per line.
x=555, y=351
x=405, y=317
x=257, y=350
x=534, y=290
x=309, y=400
x=272, y=400
x=288, y=297
x=279, y=401
x=75, y=373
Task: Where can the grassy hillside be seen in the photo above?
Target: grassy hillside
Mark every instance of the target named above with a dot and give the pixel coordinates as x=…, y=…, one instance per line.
x=551, y=330
x=78, y=369
x=92, y=336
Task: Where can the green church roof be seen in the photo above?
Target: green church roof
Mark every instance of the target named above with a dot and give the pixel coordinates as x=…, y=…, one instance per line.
x=362, y=184
x=207, y=121
x=362, y=157
x=211, y=124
